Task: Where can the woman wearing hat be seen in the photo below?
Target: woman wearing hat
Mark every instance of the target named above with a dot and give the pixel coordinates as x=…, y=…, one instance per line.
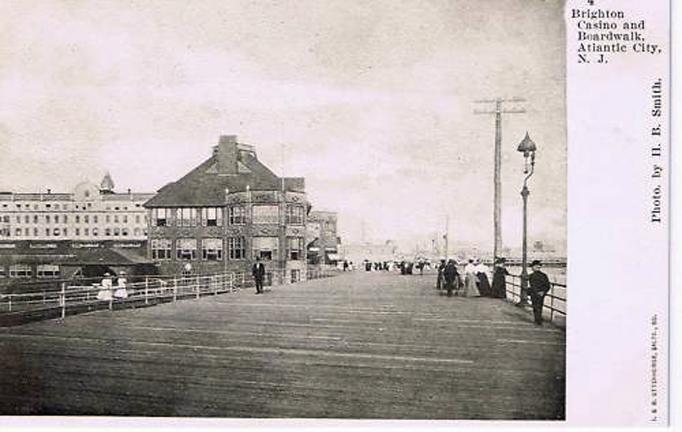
x=499, y=288
x=470, y=280
x=121, y=291
x=106, y=287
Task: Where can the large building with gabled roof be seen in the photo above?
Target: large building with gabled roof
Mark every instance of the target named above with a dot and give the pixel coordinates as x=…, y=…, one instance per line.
x=225, y=213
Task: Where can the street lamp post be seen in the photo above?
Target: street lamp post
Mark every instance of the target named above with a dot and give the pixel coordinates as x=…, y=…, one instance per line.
x=527, y=147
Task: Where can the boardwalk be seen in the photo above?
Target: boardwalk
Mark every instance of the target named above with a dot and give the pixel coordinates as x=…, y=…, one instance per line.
x=361, y=345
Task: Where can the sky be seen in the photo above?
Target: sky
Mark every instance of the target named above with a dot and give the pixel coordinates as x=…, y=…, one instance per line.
x=371, y=101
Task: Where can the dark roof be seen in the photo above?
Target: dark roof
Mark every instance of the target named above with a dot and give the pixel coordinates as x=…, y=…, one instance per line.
x=205, y=187
x=104, y=256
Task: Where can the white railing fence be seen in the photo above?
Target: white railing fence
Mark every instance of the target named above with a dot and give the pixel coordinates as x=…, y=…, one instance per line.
x=80, y=296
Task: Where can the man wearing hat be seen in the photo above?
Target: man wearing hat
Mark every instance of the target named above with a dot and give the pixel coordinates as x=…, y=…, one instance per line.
x=539, y=287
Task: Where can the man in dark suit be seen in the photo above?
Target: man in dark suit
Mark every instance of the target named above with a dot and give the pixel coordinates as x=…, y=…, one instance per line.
x=539, y=287
x=258, y=272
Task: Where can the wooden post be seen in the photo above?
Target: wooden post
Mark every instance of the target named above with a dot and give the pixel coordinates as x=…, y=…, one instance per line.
x=175, y=289
x=198, y=288
x=63, y=299
x=146, y=290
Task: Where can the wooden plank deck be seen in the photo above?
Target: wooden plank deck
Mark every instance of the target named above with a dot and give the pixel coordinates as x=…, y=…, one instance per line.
x=361, y=345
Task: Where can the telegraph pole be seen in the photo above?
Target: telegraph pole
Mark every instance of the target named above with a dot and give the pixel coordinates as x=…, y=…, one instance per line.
x=497, y=208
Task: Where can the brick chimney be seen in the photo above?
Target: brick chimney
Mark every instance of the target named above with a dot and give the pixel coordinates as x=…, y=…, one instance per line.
x=226, y=153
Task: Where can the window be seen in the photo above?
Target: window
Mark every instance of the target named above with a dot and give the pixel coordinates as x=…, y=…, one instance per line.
x=265, y=214
x=65, y=231
x=186, y=249
x=265, y=248
x=295, y=215
x=160, y=217
x=294, y=247
x=35, y=232
x=20, y=271
x=115, y=218
x=161, y=249
x=27, y=232
x=17, y=232
x=27, y=219
x=47, y=271
x=78, y=219
x=47, y=218
x=187, y=217
x=56, y=219
x=125, y=218
x=95, y=232
x=18, y=218
x=35, y=219
x=137, y=219
x=2, y=271
x=136, y=232
x=212, y=216
x=124, y=232
x=56, y=206
x=212, y=249
x=295, y=276
x=107, y=218
x=237, y=215
x=65, y=218
x=107, y=231
x=78, y=231
x=56, y=231
x=86, y=218
x=237, y=248
x=117, y=231
x=86, y=231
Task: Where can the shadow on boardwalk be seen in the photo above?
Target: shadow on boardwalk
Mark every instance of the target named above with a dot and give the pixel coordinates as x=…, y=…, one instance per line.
x=361, y=345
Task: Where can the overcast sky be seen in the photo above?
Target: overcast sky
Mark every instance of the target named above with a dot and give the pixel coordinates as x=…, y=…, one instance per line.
x=370, y=101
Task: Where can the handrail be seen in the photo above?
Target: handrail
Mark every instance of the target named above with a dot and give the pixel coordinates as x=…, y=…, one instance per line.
x=152, y=289
x=550, y=295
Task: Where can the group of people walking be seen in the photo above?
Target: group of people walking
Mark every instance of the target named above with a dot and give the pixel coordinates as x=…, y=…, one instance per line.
x=474, y=282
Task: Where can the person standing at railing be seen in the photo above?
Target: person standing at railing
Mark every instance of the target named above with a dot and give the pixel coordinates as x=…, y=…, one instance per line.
x=499, y=288
x=105, y=292
x=539, y=287
x=121, y=291
x=258, y=272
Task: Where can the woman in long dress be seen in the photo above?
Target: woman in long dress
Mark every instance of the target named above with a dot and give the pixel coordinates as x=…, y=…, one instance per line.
x=483, y=282
x=470, y=279
x=499, y=287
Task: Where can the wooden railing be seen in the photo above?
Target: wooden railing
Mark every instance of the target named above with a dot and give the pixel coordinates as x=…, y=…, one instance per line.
x=555, y=300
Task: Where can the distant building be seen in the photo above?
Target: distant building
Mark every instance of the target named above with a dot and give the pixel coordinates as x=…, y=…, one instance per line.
x=323, y=240
x=39, y=232
x=228, y=211
x=88, y=212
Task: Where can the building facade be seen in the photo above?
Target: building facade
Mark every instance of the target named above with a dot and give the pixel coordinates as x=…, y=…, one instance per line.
x=41, y=232
x=87, y=213
x=323, y=240
x=227, y=212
